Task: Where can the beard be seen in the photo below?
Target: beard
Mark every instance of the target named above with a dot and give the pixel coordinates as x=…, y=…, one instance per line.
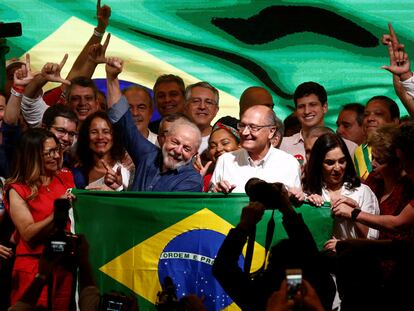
x=172, y=160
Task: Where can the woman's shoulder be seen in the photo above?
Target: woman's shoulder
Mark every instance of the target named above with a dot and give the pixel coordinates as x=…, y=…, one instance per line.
x=22, y=190
x=19, y=187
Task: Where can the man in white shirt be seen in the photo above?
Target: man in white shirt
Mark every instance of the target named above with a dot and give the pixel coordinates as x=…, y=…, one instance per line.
x=257, y=158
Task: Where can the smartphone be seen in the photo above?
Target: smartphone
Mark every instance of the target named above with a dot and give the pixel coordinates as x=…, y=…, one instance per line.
x=114, y=302
x=10, y=30
x=114, y=305
x=294, y=281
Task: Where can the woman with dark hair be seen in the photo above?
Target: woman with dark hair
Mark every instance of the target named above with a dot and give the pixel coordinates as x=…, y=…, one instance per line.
x=330, y=176
x=224, y=138
x=99, y=150
x=36, y=182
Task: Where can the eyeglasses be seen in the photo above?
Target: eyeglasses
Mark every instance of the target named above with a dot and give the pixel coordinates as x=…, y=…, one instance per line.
x=197, y=101
x=252, y=127
x=52, y=152
x=62, y=132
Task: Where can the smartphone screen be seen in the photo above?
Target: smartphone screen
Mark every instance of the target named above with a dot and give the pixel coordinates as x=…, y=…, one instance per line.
x=294, y=281
x=114, y=305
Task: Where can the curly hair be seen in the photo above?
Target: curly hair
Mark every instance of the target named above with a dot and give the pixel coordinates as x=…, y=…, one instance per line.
x=383, y=141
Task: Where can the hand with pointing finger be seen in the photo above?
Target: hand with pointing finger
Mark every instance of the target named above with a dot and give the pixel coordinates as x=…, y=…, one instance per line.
x=113, y=179
x=103, y=13
x=51, y=71
x=399, y=61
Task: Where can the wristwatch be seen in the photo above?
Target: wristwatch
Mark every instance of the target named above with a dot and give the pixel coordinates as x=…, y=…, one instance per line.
x=355, y=213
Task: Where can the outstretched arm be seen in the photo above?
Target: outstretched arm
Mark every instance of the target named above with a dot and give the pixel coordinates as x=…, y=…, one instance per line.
x=399, y=67
x=33, y=106
x=226, y=270
x=83, y=65
x=380, y=222
x=49, y=73
x=22, y=77
x=113, y=68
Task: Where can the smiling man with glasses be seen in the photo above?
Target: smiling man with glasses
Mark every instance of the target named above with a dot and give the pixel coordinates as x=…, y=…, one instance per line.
x=202, y=105
x=257, y=158
x=62, y=122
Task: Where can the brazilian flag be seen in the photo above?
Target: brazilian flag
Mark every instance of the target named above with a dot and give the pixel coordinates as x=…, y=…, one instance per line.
x=137, y=239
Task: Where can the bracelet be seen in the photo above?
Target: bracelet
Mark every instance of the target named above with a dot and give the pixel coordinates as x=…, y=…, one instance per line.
x=97, y=33
x=354, y=214
x=15, y=93
x=19, y=88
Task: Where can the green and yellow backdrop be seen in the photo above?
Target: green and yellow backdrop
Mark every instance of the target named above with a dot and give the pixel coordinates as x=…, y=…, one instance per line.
x=232, y=44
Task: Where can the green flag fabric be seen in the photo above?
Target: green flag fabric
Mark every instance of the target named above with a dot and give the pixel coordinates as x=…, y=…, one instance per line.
x=137, y=239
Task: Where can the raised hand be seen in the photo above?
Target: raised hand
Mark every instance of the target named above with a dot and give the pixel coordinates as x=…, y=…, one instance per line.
x=198, y=166
x=23, y=75
x=251, y=215
x=103, y=13
x=310, y=298
x=114, y=66
x=97, y=51
x=279, y=301
x=399, y=61
x=113, y=179
x=51, y=71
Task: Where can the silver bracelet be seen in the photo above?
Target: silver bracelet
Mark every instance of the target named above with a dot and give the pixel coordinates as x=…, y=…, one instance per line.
x=97, y=33
x=15, y=93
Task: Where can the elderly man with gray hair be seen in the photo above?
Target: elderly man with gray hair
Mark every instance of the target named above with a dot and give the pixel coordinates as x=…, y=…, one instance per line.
x=156, y=169
x=257, y=158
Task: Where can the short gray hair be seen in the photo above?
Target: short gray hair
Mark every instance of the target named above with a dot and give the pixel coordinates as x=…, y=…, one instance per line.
x=183, y=122
x=202, y=84
x=271, y=118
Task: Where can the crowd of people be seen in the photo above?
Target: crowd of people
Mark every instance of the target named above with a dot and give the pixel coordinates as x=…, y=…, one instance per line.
x=76, y=136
